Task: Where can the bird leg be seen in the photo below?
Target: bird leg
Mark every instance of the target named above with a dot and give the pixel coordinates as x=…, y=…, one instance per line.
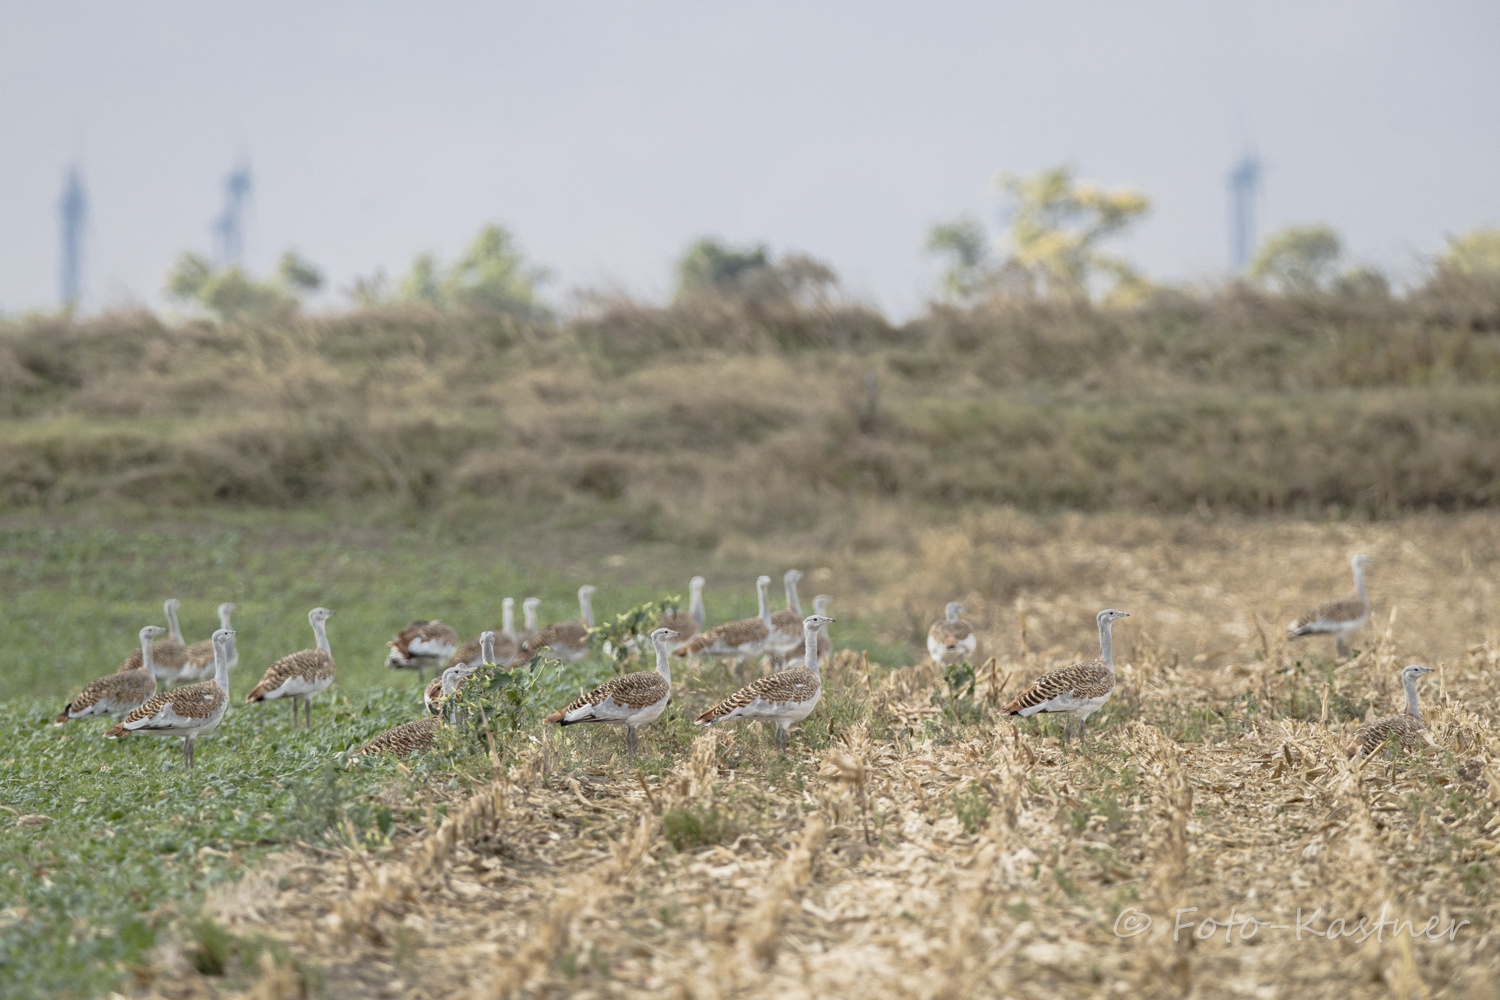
x=1082, y=729
x=630, y=740
x=295, y=710
x=1343, y=650
x=1065, y=734
x=781, y=739
x=307, y=711
x=187, y=753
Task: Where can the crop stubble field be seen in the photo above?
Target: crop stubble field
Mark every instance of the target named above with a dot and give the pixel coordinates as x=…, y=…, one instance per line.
x=914, y=843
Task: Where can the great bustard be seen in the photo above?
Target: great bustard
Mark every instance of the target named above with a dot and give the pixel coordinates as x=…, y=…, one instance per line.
x=686, y=624
x=745, y=637
x=447, y=684
x=470, y=654
x=565, y=641
x=952, y=640
x=821, y=604
x=189, y=711
x=1341, y=618
x=632, y=699
x=120, y=692
x=783, y=698
x=169, y=653
x=1406, y=728
x=786, y=624
x=200, y=655
x=408, y=738
x=528, y=611
x=1081, y=689
x=301, y=675
x=424, y=644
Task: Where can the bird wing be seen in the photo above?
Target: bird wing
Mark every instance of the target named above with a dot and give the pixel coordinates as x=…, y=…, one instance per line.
x=947, y=633
x=1374, y=735
x=1330, y=616
x=309, y=665
x=111, y=692
x=787, y=687
x=574, y=634
x=409, y=737
x=176, y=709
x=625, y=694
x=1082, y=680
x=744, y=632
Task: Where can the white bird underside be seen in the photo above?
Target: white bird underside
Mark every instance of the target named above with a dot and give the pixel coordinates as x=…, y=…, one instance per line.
x=298, y=687
x=609, y=710
x=957, y=652
x=788, y=712
x=1067, y=702
x=169, y=723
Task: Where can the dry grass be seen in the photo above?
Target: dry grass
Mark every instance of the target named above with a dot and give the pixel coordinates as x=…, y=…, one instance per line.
x=927, y=848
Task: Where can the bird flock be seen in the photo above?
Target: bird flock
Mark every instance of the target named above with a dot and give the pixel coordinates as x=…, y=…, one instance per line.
x=140, y=696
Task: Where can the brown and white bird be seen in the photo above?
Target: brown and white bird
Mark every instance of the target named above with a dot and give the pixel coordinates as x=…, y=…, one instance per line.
x=739, y=639
x=952, y=640
x=200, y=655
x=786, y=624
x=471, y=653
x=408, y=738
x=190, y=711
x=120, y=692
x=423, y=645
x=445, y=686
x=686, y=624
x=170, y=652
x=1081, y=689
x=565, y=641
x=783, y=698
x=631, y=699
x=1340, y=618
x=821, y=604
x=1406, y=728
x=299, y=676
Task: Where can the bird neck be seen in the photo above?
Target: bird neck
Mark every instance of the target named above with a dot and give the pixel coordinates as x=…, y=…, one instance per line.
x=487, y=650
x=791, y=595
x=173, y=629
x=530, y=611
x=508, y=620
x=1410, y=683
x=320, y=631
x=148, y=662
x=696, y=611
x=810, y=650
x=765, y=604
x=664, y=662
x=221, y=665
x=224, y=619
x=953, y=614
x=1359, y=583
x=1106, y=644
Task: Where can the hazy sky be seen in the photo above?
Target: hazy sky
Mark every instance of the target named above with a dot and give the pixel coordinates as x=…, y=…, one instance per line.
x=610, y=135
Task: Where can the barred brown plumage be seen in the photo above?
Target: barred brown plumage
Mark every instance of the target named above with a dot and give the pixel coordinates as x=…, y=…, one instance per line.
x=1340, y=618
x=633, y=699
x=301, y=675
x=422, y=644
x=566, y=641
x=1406, y=728
x=199, y=664
x=1080, y=689
x=786, y=624
x=407, y=738
x=169, y=653
x=506, y=645
x=120, y=692
x=951, y=640
x=784, y=697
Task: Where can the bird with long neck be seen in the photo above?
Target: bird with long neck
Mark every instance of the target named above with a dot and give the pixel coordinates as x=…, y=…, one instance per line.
x=190, y=711
x=1405, y=729
x=786, y=624
x=631, y=699
x=120, y=692
x=1340, y=618
x=504, y=642
x=696, y=611
x=301, y=675
x=529, y=609
x=200, y=655
x=736, y=640
x=566, y=641
x=170, y=652
x=821, y=605
x=445, y=685
x=1081, y=689
x=782, y=698
x=952, y=640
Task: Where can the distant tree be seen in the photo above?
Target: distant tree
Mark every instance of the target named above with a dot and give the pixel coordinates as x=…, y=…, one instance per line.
x=230, y=293
x=710, y=267
x=1474, y=254
x=422, y=283
x=492, y=276
x=1052, y=246
x=1298, y=260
